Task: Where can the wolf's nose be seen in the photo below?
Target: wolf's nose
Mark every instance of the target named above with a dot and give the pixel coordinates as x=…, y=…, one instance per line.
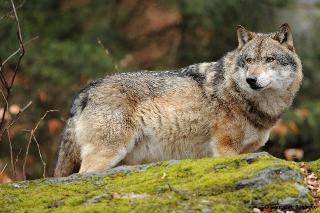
x=251, y=80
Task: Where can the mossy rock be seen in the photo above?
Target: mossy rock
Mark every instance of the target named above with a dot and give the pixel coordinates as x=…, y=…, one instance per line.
x=230, y=184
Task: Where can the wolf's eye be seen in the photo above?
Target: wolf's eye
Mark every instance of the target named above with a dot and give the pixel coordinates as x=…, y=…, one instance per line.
x=269, y=59
x=249, y=60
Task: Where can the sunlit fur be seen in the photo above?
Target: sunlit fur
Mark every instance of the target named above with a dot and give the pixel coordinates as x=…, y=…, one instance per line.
x=203, y=110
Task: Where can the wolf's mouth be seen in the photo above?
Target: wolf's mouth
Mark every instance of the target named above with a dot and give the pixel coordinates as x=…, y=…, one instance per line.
x=257, y=87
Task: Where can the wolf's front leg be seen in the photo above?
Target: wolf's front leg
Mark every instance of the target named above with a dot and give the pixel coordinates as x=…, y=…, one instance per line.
x=224, y=147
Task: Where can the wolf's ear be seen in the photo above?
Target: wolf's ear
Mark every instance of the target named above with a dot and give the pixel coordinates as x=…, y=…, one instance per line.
x=284, y=36
x=244, y=35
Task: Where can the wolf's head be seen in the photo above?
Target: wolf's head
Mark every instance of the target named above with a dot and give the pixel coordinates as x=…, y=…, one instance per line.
x=266, y=61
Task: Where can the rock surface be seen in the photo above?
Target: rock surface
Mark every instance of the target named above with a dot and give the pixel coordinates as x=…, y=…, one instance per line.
x=232, y=184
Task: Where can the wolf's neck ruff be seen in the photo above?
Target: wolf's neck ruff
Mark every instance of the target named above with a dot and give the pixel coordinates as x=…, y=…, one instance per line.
x=261, y=109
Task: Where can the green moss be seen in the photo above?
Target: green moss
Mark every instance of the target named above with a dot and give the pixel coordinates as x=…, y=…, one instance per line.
x=317, y=210
x=315, y=167
x=188, y=184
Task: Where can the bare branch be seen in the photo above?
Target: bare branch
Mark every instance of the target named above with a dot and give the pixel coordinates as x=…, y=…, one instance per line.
x=9, y=13
x=22, y=50
x=15, y=119
x=17, y=157
x=30, y=141
x=43, y=117
x=4, y=168
x=4, y=98
x=101, y=44
x=2, y=78
x=26, y=155
x=108, y=54
x=3, y=117
x=7, y=85
x=18, y=50
x=11, y=156
x=40, y=155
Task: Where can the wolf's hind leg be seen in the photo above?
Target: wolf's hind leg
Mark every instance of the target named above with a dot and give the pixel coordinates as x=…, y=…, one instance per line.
x=105, y=155
x=105, y=133
x=98, y=160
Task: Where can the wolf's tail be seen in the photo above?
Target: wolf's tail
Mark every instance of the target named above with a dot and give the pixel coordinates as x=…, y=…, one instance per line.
x=69, y=152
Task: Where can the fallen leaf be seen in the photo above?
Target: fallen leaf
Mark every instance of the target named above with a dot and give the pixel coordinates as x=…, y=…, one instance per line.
x=293, y=154
x=4, y=178
x=302, y=113
x=54, y=126
x=14, y=109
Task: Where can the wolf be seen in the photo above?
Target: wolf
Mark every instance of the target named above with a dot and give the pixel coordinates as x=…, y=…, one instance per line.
x=209, y=109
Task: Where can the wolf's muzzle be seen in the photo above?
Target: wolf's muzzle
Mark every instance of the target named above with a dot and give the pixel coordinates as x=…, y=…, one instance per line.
x=252, y=81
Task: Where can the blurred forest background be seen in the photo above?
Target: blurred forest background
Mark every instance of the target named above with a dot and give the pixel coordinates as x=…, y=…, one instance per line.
x=80, y=40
